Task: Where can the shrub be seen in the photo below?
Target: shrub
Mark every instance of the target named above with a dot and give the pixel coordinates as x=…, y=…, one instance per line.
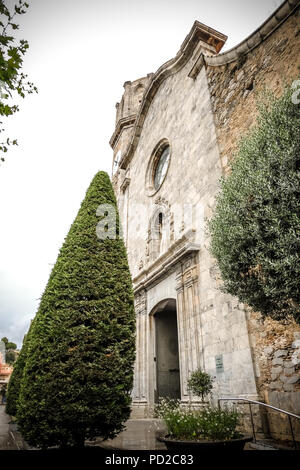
x=165, y=405
x=206, y=424
x=79, y=368
x=219, y=424
x=255, y=226
x=200, y=383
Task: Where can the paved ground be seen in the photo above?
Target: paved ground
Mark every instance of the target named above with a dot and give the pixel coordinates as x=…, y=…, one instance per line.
x=140, y=434
x=4, y=428
x=6, y=440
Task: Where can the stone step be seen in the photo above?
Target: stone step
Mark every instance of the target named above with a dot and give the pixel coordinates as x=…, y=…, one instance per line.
x=269, y=444
x=261, y=445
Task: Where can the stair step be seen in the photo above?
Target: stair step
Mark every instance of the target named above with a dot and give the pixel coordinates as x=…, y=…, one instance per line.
x=269, y=444
x=260, y=445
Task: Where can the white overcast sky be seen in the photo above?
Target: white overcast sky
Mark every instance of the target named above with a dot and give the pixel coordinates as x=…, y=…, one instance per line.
x=81, y=52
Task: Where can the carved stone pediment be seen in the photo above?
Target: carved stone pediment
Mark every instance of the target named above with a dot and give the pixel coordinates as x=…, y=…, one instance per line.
x=167, y=262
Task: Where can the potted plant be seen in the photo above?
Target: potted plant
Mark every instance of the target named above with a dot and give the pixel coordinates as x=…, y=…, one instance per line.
x=200, y=383
x=193, y=430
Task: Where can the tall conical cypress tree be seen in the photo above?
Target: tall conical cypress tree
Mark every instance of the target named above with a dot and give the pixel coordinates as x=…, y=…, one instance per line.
x=79, y=369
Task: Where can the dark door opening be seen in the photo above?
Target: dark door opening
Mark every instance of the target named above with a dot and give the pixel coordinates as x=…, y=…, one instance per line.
x=167, y=355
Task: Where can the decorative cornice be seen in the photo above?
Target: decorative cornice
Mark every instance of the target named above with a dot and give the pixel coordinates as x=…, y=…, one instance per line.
x=197, y=66
x=257, y=37
x=160, y=268
x=125, y=183
x=211, y=38
x=127, y=121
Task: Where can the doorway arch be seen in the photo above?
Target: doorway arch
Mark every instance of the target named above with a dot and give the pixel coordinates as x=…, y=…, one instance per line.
x=166, y=350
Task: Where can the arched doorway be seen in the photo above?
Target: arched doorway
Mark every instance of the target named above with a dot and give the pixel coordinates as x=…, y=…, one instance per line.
x=166, y=351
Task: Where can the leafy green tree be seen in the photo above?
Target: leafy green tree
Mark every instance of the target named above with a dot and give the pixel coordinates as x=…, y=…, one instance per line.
x=11, y=346
x=200, y=383
x=10, y=355
x=78, y=375
x=13, y=81
x=256, y=224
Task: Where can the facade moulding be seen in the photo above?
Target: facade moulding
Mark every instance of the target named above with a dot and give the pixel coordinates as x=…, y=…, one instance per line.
x=161, y=267
x=255, y=39
x=125, y=183
x=122, y=123
x=199, y=32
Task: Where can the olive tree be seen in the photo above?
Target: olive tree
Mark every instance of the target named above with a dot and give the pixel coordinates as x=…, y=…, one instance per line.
x=256, y=223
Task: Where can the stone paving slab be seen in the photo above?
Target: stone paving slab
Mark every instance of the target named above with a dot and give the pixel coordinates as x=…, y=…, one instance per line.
x=6, y=439
x=140, y=434
x=4, y=428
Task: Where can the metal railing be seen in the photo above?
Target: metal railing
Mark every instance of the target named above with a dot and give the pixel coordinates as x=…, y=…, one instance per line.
x=254, y=402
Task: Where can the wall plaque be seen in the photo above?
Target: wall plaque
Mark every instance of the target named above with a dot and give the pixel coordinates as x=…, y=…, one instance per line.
x=219, y=363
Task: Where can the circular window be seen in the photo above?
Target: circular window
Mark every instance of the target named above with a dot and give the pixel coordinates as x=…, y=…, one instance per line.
x=161, y=167
x=157, y=167
x=116, y=162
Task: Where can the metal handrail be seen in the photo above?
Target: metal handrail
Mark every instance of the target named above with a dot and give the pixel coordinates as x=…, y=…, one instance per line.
x=247, y=400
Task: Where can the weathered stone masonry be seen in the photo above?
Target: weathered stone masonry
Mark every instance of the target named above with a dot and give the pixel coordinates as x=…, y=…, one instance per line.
x=199, y=104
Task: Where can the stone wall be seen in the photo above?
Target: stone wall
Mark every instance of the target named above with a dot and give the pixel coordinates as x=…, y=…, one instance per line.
x=202, y=106
x=236, y=86
x=276, y=352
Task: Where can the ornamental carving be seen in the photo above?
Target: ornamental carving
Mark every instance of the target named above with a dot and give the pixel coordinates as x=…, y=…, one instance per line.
x=141, y=303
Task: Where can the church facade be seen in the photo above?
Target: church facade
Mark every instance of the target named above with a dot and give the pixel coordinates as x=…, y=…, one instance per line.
x=176, y=129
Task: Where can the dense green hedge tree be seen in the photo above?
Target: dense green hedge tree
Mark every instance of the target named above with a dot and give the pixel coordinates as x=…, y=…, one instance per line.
x=78, y=375
x=256, y=224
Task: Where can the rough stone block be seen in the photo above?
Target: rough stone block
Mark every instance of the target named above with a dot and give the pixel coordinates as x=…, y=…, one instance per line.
x=273, y=398
x=288, y=363
x=295, y=402
x=276, y=385
x=280, y=353
x=283, y=378
x=293, y=380
x=277, y=361
x=268, y=350
x=295, y=358
x=230, y=95
x=289, y=370
x=288, y=387
x=276, y=370
x=240, y=75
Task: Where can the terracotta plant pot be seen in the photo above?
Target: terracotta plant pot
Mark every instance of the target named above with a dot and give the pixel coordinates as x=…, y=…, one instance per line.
x=184, y=446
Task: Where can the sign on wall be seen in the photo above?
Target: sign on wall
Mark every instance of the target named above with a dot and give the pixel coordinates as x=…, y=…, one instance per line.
x=219, y=363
